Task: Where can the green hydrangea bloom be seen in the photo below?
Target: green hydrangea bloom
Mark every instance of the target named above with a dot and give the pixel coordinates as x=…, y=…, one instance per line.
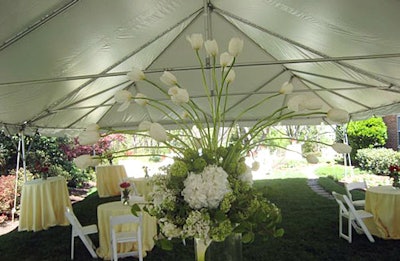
x=178, y=169
x=199, y=164
x=220, y=232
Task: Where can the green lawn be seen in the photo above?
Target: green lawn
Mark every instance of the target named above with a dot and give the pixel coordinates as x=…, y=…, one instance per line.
x=310, y=222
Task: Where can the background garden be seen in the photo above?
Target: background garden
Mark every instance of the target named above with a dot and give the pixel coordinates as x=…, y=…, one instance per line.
x=54, y=155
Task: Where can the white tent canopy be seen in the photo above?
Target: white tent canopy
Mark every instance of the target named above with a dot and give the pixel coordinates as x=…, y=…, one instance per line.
x=62, y=61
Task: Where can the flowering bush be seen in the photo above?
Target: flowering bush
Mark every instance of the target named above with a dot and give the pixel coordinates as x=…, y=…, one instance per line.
x=207, y=192
x=394, y=175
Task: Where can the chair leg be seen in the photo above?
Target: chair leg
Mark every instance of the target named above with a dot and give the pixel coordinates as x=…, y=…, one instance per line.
x=349, y=228
x=340, y=226
x=72, y=245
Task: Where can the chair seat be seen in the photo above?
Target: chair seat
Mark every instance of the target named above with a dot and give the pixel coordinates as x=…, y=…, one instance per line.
x=359, y=203
x=364, y=214
x=90, y=229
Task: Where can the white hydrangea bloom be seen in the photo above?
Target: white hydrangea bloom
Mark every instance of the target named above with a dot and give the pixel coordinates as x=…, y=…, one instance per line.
x=206, y=189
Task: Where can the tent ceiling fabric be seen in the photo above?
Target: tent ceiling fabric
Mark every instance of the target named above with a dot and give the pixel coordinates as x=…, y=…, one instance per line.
x=62, y=61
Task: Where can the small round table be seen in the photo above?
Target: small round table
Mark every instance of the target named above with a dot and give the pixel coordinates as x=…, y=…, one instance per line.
x=104, y=211
x=384, y=203
x=108, y=179
x=43, y=204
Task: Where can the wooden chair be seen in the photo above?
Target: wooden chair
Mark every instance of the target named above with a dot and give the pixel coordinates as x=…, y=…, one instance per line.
x=124, y=237
x=354, y=218
x=82, y=232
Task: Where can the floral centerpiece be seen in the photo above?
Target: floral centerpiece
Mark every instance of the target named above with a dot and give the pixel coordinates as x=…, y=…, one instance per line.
x=394, y=172
x=207, y=192
x=125, y=191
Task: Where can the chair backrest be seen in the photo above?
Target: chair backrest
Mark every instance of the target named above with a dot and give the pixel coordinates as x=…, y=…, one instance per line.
x=361, y=185
x=124, y=219
x=345, y=204
x=73, y=220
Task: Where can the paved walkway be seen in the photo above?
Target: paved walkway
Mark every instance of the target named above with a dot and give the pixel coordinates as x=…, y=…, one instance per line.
x=313, y=183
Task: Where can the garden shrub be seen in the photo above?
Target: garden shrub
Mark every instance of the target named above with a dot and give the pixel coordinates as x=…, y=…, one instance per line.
x=370, y=133
x=377, y=160
x=6, y=195
x=7, y=186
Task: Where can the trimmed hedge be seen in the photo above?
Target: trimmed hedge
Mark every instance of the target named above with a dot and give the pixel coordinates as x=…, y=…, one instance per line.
x=377, y=160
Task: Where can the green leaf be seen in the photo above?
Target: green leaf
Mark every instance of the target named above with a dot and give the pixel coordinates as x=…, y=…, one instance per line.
x=135, y=209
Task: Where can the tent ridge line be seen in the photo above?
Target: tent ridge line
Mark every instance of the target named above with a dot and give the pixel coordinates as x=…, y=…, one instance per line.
x=123, y=73
x=336, y=79
x=335, y=93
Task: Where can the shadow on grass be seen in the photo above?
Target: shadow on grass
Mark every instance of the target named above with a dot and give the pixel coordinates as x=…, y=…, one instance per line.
x=310, y=222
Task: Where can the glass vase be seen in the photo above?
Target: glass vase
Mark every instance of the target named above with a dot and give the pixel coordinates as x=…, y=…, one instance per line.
x=228, y=250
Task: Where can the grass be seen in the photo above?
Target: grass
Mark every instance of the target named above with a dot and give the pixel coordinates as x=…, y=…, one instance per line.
x=310, y=222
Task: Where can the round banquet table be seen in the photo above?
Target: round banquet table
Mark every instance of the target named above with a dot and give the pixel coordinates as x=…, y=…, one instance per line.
x=108, y=179
x=384, y=203
x=104, y=211
x=43, y=204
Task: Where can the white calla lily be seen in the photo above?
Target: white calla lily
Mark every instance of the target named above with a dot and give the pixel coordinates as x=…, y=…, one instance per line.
x=312, y=159
x=287, y=88
x=93, y=127
x=122, y=96
x=225, y=59
x=211, y=47
x=341, y=148
x=158, y=132
x=181, y=97
x=83, y=161
x=144, y=126
x=231, y=76
x=296, y=103
x=141, y=99
x=255, y=166
x=338, y=115
x=235, y=46
x=196, y=41
x=136, y=75
x=88, y=137
x=168, y=79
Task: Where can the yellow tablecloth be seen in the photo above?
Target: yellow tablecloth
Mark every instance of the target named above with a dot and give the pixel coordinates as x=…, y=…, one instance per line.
x=108, y=179
x=43, y=204
x=142, y=185
x=104, y=211
x=384, y=203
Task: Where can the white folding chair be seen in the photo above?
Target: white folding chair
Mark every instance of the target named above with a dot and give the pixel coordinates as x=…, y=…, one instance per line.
x=126, y=236
x=82, y=232
x=354, y=218
x=360, y=185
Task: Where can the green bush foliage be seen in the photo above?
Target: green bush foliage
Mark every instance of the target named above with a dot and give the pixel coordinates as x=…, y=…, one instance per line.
x=369, y=133
x=377, y=160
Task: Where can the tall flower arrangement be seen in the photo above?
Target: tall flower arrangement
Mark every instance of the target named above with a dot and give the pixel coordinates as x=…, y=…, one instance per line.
x=207, y=192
